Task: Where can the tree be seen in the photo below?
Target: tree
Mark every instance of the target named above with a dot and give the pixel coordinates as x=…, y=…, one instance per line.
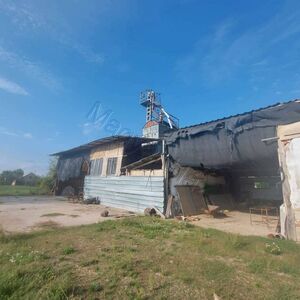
x=7, y=177
x=47, y=182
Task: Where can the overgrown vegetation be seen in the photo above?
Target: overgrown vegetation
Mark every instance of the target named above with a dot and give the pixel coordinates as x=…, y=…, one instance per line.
x=47, y=182
x=146, y=258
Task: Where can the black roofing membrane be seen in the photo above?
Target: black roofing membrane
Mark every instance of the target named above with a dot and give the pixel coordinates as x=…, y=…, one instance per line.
x=234, y=143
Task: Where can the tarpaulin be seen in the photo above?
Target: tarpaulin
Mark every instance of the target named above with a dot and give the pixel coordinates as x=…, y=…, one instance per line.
x=70, y=167
x=234, y=142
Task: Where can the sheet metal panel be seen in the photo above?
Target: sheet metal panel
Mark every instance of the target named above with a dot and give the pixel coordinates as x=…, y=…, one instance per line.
x=134, y=193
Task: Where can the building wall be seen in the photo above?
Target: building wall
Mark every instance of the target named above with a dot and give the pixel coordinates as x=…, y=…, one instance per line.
x=289, y=137
x=134, y=193
x=108, y=151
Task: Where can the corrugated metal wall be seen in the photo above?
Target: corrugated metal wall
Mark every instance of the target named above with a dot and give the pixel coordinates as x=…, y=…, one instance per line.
x=134, y=193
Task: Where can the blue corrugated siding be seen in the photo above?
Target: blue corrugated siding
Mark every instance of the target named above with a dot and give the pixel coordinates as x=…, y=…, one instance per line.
x=134, y=193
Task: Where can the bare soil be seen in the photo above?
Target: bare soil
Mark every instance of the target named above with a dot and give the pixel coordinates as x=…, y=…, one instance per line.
x=239, y=223
x=24, y=214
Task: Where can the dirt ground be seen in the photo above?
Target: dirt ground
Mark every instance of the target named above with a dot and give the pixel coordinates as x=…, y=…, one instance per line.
x=24, y=214
x=239, y=222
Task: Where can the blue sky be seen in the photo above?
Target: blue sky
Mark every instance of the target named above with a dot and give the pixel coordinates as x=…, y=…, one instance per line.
x=208, y=59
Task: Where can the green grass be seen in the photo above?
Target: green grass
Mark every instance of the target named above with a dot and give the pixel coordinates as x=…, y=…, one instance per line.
x=68, y=250
x=21, y=190
x=145, y=258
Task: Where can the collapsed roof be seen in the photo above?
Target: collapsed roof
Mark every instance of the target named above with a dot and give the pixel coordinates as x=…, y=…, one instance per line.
x=244, y=142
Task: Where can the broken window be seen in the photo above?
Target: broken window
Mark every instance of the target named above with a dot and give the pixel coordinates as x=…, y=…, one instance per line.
x=96, y=167
x=111, y=166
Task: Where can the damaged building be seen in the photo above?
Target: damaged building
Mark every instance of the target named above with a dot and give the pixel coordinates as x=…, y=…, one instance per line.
x=109, y=169
x=237, y=163
x=244, y=161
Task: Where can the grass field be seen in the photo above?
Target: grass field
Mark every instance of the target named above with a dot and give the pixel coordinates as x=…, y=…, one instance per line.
x=21, y=190
x=146, y=258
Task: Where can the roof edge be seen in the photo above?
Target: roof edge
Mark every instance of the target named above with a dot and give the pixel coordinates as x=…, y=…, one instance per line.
x=241, y=114
x=102, y=141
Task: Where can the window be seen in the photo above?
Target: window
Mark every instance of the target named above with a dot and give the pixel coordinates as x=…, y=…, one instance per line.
x=261, y=185
x=111, y=166
x=96, y=167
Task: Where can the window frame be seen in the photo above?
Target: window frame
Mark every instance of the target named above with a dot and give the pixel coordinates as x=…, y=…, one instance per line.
x=96, y=167
x=111, y=167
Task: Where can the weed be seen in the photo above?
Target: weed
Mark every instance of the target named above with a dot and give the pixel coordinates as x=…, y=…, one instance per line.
x=272, y=248
x=68, y=250
x=95, y=287
x=237, y=242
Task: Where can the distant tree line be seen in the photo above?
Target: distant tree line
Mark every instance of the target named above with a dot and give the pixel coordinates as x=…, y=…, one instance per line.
x=9, y=176
x=16, y=177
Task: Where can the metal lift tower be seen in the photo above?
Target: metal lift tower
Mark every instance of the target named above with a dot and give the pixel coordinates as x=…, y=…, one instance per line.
x=158, y=121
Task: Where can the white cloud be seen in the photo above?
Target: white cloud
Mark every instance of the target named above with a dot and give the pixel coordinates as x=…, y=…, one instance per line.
x=37, y=20
x=88, y=54
x=222, y=55
x=8, y=132
x=5, y=131
x=21, y=15
x=27, y=135
x=12, y=87
x=31, y=69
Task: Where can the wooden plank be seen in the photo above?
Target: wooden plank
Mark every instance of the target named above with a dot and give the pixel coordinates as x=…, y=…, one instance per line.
x=191, y=200
x=169, y=210
x=158, y=212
